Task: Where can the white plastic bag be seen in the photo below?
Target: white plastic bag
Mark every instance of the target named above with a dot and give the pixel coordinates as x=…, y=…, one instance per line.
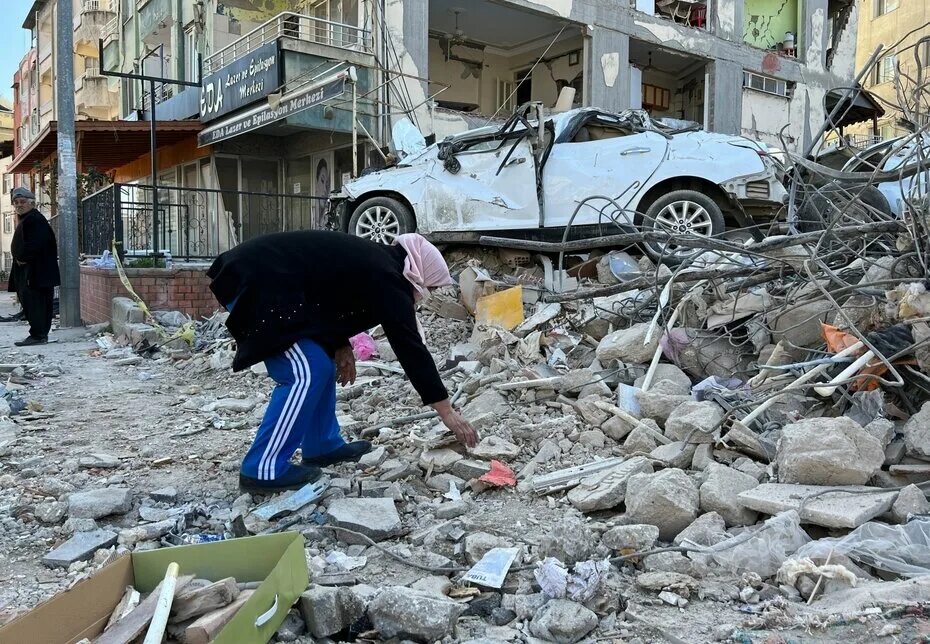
x=761, y=549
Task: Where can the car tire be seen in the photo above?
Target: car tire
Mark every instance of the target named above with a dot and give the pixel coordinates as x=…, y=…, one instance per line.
x=381, y=219
x=681, y=211
x=815, y=210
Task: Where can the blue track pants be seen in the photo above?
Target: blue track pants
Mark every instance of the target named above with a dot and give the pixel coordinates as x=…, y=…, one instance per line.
x=301, y=412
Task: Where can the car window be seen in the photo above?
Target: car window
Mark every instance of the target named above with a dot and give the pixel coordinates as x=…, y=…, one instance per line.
x=600, y=129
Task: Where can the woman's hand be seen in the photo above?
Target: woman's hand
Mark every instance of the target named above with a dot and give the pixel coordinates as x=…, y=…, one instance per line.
x=345, y=365
x=464, y=432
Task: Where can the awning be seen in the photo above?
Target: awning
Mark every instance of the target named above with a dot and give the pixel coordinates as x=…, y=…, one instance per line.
x=864, y=106
x=105, y=145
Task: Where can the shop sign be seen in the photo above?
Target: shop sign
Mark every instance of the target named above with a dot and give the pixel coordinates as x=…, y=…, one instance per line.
x=242, y=82
x=256, y=118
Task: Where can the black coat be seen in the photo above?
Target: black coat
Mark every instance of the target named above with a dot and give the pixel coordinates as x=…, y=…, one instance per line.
x=34, y=244
x=326, y=286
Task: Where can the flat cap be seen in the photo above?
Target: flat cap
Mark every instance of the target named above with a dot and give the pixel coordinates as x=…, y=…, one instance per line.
x=25, y=193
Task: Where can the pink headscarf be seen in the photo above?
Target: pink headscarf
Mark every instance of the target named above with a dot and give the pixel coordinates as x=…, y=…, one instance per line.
x=424, y=267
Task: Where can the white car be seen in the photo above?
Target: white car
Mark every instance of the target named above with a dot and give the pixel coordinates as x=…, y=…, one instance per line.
x=908, y=157
x=584, y=168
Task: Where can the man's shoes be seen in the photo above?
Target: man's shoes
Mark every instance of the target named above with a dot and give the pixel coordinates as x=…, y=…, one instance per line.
x=31, y=340
x=295, y=478
x=348, y=453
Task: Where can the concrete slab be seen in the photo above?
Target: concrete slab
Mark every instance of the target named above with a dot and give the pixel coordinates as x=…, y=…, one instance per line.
x=81, y=546
x=849, y=508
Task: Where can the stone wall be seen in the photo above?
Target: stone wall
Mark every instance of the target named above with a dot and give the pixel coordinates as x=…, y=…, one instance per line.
x=184, y=288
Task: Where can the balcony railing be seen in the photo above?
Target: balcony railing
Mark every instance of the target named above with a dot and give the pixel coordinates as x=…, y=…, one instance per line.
x=292, y=25
x=192, y=223
x=91, y=71
x=111, y=29
x=863, y=140
x=98, y=5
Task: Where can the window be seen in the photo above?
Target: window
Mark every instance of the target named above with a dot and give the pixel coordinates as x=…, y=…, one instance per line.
x=765, y=84
x=504, y=100
x=7, y=184
x=7, y=223
x=7, y=260
x=885, y=6
x=885, y=69
x=190, y=53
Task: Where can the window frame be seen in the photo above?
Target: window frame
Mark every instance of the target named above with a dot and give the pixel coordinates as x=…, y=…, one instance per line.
x=882, y=7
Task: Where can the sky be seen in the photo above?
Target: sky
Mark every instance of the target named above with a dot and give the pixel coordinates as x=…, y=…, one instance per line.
x=14, y=41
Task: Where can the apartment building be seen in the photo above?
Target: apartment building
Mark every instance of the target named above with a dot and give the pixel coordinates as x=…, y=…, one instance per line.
x=892, y=79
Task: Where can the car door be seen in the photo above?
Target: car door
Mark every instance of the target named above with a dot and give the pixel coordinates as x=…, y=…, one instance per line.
x=600, y=155
x=490, y=184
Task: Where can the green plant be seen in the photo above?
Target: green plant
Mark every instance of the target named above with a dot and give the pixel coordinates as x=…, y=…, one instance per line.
x=146, y=262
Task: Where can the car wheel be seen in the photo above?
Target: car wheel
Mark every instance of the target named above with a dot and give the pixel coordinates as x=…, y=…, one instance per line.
x=381, y=219
x=682, y=212
x=815, y=210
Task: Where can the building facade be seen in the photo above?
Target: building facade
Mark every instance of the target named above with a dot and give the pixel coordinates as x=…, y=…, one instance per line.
x=893, y=77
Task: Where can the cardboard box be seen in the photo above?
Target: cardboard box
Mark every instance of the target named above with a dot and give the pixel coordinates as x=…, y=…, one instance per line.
x=276, y=560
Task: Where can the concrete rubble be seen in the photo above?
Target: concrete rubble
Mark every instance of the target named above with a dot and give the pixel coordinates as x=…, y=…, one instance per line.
x=668, y=467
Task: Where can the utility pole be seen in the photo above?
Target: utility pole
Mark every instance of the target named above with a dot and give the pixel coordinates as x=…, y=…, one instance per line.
x=70, y=291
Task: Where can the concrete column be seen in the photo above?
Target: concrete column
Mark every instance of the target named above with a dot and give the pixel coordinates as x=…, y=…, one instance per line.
x=813, y=33
x=609, y=69
x=724, y=97
x=405, y=46
x=728, y=18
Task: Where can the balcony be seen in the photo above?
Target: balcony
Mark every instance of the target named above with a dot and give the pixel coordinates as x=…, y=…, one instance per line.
x=691, y=13
x=295, y=26
x=92, y=92
x=93, y=20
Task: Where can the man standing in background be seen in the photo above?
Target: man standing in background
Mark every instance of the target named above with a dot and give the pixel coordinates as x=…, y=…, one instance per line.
x=35, y=266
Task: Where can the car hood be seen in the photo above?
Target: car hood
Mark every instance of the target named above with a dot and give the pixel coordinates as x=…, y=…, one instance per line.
x=388, y=179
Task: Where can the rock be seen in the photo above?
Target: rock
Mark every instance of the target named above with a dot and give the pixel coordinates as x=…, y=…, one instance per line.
x=750, y=467
x=591, y=413
x=75, y=524
x=230, y=406
x=375, y=518
x=403, y=612
x=569, y=540
x=917, y=433
x=627, y=345
x=100, y=460
x=374, y=458
x=124, y=311
x=494, y=447
x=666, y=499
x=677, y=454
x=291, y=628
x=52, y=512
x=563, y=621
x=800, y=324
x=673, y=599
x=607, y=489
x=707, y=530
x=452, y=509
x=720, y=493
x=844, y=509
x=477, y=545
x=911, y=500
x=592, y=438
x=597, y=389
x=665, y=371
x=661, y=580
x=442, y=482
x=502, y=616
x=827, y=451
x=661, y=400
x=488, y=401
x=94, y=504
x=433, y=585
x=636, y=537
x=80, y=547
x=468, y=469
x=882, y=429
x=616, y=428
x=524, y=606
x=321, y=609
x=694, y=422
x=674, y=562
x=165, y=495
x=703, y=456
x=483, y=605
x=640, y=440
x=441, y=459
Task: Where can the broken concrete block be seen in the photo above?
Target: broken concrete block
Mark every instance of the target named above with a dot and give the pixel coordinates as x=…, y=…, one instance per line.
x=666, y=499
x=917, y=433
x=665, y=371
x=911, y=500
x=827, y=451
x=468, y=469
x=607, y=489
x=616, y=428
x=441, y=459
x=636, y=537
x=720, y=493
x=660, y=580
x=882, y=429
x=832, y=509
x=124, y=311
x=627, y=345
x=640, y=439
x=524, y=606
x=477, y=545
x=377, y=519
x=52, y=512
x=563, y=621
x=488, y=401
x=94, y=504
x=494, y=447
x=800, y=324
x=677, y=454
x=707, y=530
x=374, y=458
x=659, y=402
x=694, y=422
x=452, y=509
x=703, y=456
x=98, y=460
x=592, y=438
x=165, y=495
x=80, y=547
x=569, y=540
x=406, y=613
x=138, y=334
x=321, y=610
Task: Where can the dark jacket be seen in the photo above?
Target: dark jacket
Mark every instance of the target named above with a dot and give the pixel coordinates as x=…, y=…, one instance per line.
x=322, y=285
x=34, y=244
